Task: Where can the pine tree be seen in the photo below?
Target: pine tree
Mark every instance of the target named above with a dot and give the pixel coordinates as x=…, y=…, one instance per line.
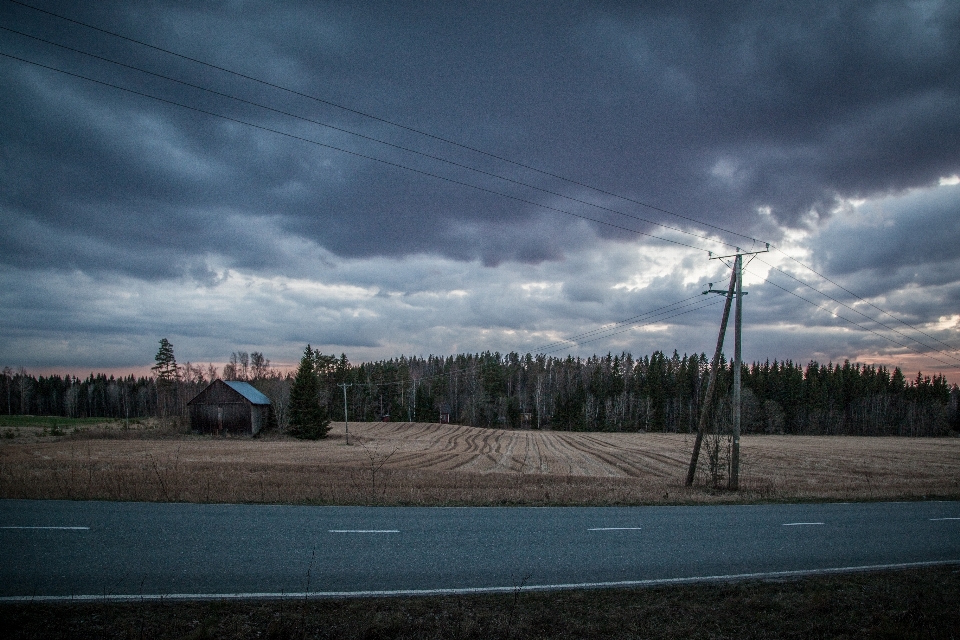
x=308, y=417
x=166, y=367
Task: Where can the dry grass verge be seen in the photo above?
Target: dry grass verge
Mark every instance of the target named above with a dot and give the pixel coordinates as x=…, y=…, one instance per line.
x=430, y=464
x=919, y=603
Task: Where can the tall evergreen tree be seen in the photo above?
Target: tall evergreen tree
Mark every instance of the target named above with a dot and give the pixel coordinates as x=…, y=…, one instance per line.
x=166, y=364
x=308, y=417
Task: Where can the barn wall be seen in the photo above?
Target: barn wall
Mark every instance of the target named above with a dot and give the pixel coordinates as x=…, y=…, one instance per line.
x=236, y=418
x=220, y=409
x=259, y=416
x=203, y=418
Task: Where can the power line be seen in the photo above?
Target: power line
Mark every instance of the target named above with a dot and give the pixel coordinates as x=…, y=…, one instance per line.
x=857, y=311
x=856, y=324
x=952, y=348
x=473, y=368
x=353, y=153
x=491, y=191
x=379, y=119
x=366, y=137
x=645, y=324
x=611, y=325
x=462, y=146
x=579, y=337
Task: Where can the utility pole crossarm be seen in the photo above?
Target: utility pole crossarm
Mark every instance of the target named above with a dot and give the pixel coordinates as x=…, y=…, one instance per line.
x=739, y=252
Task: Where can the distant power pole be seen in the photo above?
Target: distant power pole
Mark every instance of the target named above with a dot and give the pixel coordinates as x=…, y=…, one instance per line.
x=346, y=424
x=412, y=407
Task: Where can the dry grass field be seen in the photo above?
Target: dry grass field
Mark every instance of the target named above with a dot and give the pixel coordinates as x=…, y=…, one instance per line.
x=430, y=464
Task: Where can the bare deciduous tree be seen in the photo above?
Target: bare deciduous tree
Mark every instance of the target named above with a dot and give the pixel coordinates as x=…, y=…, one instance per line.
x=259, y=366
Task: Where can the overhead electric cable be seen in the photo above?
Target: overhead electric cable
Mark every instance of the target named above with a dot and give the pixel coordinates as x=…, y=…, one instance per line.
x=857, y=311
x=707, y=303
x=839, y=286
x=378, y=119
x=366, y=137
x=612, y=325
x=470, y=148
x=353, y=153
x=837, y=315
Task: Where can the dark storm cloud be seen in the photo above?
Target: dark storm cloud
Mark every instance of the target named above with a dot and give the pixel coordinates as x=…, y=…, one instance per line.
x=764, y=118
x=710, y=112
x=915, y=232
x=805, y=102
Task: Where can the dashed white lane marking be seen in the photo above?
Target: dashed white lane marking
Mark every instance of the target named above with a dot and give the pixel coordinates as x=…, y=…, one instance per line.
x=615, y=529
x=655, y=582
x=57, y=528
x=936, y=519
x=799, y=524
x=364, y=530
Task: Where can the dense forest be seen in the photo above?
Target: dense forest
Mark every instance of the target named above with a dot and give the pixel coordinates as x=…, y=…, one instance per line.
x=600, y=393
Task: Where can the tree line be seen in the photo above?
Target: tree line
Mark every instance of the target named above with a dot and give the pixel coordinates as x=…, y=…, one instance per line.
x=650, y=393
x=599, y=393
x=164, y=394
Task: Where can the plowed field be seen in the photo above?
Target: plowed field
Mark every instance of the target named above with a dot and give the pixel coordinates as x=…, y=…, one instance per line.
x=427, y=464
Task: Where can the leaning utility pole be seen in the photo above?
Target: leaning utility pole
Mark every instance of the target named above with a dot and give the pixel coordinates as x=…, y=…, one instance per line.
x=736, y=287
x=705, y=410
x=346, y=425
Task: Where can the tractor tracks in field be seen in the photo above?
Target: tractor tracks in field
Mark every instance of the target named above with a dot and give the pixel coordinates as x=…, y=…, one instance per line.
x=426, y=446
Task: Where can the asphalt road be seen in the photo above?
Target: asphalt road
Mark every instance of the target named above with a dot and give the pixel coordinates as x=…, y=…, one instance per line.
x=111, y=550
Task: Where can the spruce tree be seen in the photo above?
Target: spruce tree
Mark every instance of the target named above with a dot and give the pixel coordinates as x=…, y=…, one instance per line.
x=308, y=418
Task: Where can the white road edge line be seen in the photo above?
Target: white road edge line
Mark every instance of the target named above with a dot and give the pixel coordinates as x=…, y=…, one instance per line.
x=364, y=530
x=58, y=528
x=615, y=529
x=936, y=519
x=657, y=582
x=798, y=524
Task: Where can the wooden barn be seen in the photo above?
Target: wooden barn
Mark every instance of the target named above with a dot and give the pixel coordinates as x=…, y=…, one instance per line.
x=229, y=407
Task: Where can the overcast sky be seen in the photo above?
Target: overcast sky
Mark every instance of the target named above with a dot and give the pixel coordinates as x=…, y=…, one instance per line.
x=448, y=177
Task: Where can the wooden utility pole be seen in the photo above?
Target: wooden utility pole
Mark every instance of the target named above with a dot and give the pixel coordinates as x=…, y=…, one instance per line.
x=412, y=406
x=736, y=287
x=733, y=482
x=346, y=424
x=705, y=410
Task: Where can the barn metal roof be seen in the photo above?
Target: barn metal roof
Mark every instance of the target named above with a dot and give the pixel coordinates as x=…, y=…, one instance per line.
x=247, y=391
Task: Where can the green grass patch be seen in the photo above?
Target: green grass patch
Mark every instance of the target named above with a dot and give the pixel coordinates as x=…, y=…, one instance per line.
x=916, y=603
x=53, y=422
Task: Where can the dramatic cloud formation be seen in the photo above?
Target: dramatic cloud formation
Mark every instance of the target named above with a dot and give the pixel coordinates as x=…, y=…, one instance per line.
x=148, y=195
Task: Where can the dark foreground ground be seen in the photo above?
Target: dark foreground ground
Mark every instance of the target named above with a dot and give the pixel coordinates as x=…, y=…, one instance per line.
x=917, y=603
